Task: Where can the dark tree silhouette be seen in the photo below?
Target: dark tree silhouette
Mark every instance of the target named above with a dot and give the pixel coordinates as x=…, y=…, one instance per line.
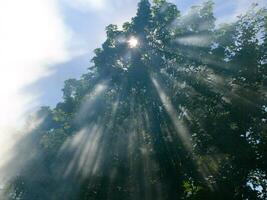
x=180, y=114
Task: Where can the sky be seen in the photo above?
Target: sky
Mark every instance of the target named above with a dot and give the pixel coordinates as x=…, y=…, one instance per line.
x=45, y=42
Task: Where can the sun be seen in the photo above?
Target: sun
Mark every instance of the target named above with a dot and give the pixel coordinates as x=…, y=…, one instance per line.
x=133, y=42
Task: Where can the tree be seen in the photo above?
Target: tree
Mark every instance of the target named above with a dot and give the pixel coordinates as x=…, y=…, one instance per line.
x=179, y=115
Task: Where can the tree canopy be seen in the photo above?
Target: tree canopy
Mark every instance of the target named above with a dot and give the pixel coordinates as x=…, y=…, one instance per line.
x=179, y=115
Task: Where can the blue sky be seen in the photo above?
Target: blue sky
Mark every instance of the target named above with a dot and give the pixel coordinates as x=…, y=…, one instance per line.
x=88, y=23
x=45, y=42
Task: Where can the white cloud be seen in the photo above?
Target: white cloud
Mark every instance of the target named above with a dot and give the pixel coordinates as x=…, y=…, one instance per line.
x=33, y=37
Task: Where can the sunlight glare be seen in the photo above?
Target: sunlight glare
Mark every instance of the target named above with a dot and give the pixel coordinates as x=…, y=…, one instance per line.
x=133, y=42
x=33, y=38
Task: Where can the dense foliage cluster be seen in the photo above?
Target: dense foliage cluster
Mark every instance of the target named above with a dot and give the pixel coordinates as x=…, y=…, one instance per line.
x=180, y=116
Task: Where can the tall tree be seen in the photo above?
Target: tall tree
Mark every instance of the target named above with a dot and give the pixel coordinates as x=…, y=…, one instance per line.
x=171, y=108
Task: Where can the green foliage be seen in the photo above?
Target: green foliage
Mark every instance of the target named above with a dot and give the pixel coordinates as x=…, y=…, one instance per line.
x=180, y=116
x=191, y=190
x=53, y=140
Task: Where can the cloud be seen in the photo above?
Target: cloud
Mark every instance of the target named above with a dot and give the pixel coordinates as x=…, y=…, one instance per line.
x=33, y=37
